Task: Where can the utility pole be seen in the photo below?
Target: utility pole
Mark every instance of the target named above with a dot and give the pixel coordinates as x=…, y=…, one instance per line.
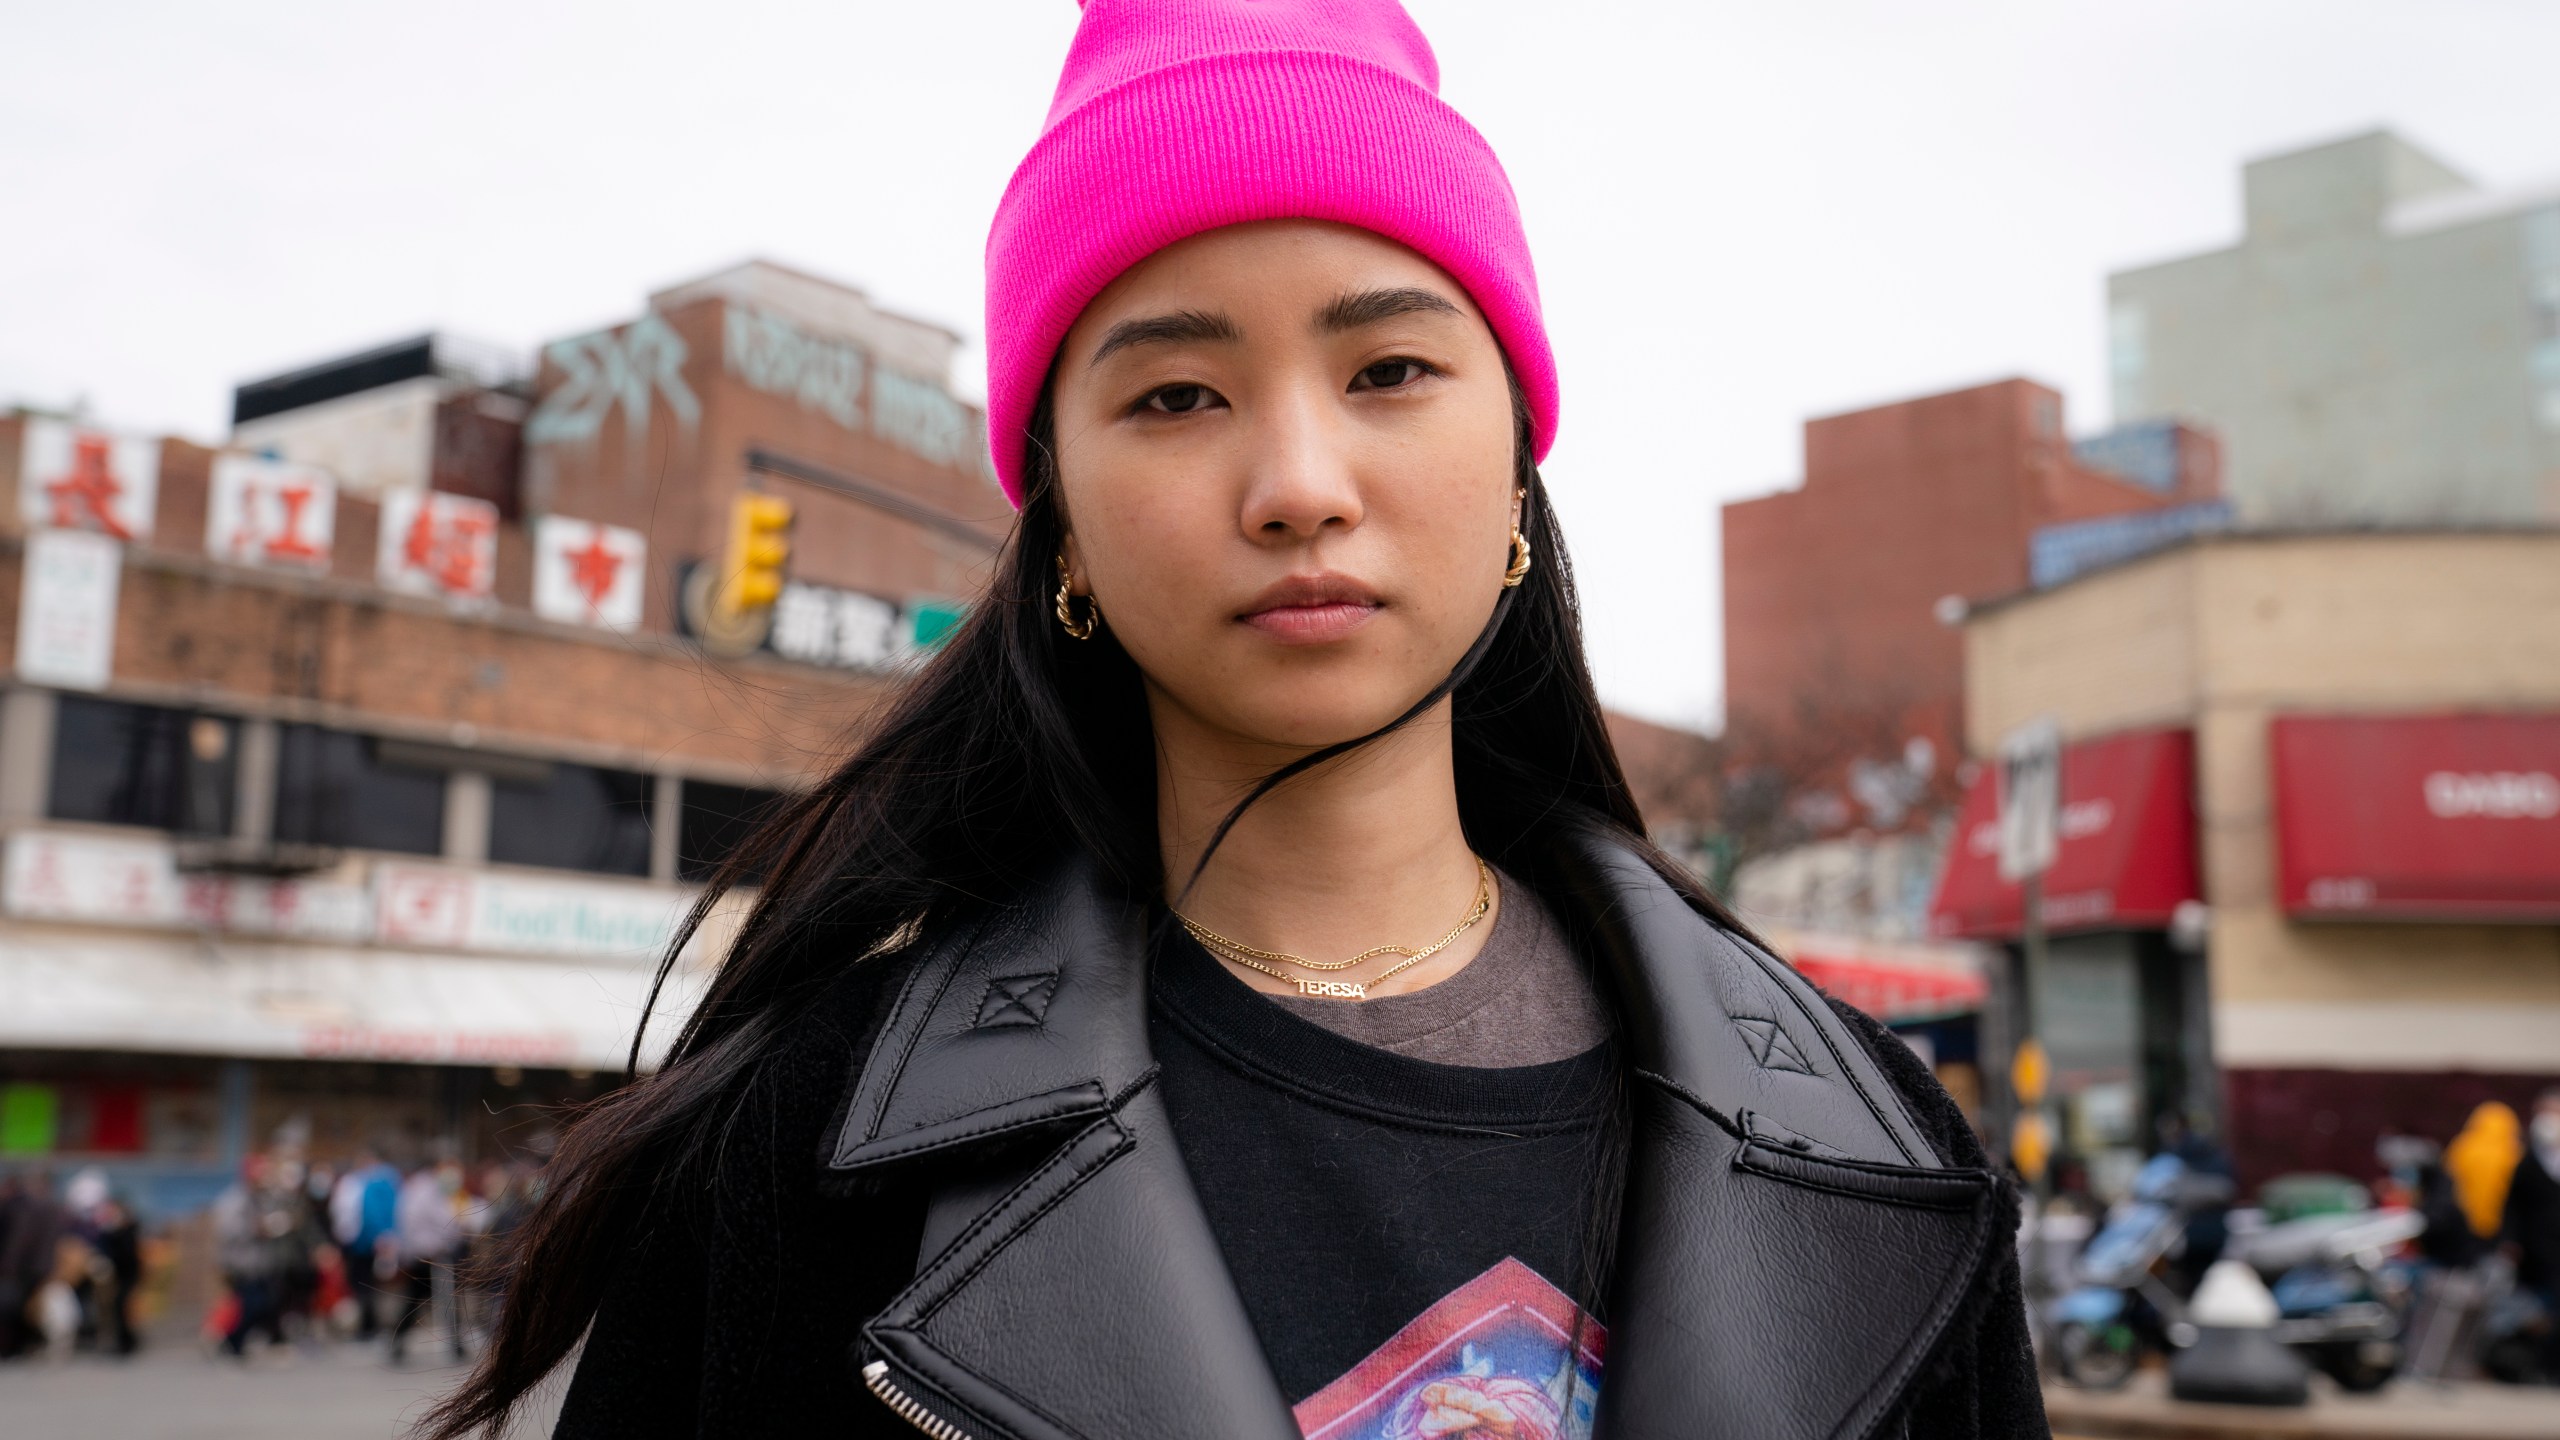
x=2030, y=780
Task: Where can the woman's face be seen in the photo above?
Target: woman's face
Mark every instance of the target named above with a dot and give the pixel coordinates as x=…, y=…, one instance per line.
x=1285, y=453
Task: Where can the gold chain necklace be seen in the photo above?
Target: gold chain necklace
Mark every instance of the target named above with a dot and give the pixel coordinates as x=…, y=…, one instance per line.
x=1252, y=959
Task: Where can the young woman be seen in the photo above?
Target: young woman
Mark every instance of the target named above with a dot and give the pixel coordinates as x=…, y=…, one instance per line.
x=1229, y=993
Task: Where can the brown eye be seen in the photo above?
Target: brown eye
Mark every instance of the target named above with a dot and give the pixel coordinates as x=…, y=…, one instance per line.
x=1179, y=399
x=1389, y=375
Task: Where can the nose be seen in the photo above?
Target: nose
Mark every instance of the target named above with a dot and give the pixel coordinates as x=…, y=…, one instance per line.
x=1301, y=484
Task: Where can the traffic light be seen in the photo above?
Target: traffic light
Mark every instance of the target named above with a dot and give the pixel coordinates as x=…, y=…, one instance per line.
x=759, y=544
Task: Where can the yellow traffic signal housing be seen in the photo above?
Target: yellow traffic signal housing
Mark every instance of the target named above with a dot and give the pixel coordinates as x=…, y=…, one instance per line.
x=759, y=545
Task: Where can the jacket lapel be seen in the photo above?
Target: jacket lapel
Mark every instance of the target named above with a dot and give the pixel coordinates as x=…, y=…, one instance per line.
x=1069, y=1286
x=1790, y=1249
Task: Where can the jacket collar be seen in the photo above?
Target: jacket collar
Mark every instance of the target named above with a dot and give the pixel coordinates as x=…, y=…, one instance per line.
x=1790, y=1248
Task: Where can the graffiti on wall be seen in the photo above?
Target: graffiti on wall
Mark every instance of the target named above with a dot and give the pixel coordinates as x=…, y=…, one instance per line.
x=612, y=370
x=920, y=418
x=779, y=358
x=837, y=379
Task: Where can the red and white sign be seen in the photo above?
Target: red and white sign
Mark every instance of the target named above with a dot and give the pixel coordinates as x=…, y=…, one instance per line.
x=438, y=544
x=117, y=881
x=270, y=512
x=2124, y=854
x=78, y=477
x=2418, y=817
x=587, y=573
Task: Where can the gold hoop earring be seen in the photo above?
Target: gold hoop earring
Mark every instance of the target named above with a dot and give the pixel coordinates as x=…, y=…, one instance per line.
x=1519, y=570
x=1067, y=610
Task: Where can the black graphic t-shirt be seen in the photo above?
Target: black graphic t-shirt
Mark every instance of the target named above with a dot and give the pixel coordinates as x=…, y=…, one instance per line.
x=1407, y=1236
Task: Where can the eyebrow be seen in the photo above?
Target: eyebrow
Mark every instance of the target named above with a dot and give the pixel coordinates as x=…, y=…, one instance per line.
x=1368, y=307
x=1180, y=327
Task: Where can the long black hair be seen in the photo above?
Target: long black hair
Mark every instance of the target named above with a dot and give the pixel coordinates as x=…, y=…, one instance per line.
x=1010, y=741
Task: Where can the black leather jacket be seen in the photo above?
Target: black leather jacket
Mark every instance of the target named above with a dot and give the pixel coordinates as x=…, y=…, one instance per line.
x=991, y=1234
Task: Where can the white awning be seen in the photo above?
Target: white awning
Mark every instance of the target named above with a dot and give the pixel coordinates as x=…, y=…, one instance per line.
x=63, y=988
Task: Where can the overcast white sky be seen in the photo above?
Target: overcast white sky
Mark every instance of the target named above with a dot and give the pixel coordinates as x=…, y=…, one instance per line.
x=1744, y=214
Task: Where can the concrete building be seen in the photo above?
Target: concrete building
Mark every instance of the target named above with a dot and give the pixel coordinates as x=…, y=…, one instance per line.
x=2310, y=868
x=346, y=807
x=2382, y=344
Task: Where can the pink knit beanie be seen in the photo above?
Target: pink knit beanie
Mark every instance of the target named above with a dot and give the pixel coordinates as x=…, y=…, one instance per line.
x=1179, y=116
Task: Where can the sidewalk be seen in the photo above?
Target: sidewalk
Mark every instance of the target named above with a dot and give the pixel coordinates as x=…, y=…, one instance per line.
x=174, y=1392
x=2405, y=1410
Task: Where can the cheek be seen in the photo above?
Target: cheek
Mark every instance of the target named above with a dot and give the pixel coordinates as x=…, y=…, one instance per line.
x=1150, y=546
x=1447, y=525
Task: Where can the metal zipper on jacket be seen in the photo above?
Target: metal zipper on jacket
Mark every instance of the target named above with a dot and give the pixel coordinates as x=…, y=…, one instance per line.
x=876, y=1375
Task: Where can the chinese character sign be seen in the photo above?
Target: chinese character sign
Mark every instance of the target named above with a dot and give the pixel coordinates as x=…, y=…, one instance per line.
x=586, y=573
x=75, y=477
x=817, y=625
x=270, y=512
x=438, y=544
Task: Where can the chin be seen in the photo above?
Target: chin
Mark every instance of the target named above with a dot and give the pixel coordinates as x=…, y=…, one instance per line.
x=1307, y=714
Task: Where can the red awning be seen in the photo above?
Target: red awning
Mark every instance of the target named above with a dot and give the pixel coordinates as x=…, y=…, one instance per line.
x=2418, y=817
x=1896, y=994
x=2127, y=857
x=1896, y=981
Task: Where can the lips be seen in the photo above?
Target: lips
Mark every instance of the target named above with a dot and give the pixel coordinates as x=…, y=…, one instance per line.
x=1311, y=609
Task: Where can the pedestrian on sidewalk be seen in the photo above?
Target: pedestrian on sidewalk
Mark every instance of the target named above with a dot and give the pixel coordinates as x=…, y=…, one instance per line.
x=430, y=1238
x=255, y=1229
x=2532, y=1220
x=2482, y=1160
x=364, y=1210
x=1229, y=991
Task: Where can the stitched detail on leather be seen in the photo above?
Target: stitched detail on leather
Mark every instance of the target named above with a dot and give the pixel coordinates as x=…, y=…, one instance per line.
x=1017, y=999
x=1795, y=987
x=1864, y=1180
x=1693, y=1100
x=1761, y=1127
x=1771, y=1045
x=1065, y=1152
x=1081, y=1100
x=1022, y=1224
x=941, y=970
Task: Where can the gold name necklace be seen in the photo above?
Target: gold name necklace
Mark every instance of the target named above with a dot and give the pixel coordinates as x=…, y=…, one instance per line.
x=1263, y=960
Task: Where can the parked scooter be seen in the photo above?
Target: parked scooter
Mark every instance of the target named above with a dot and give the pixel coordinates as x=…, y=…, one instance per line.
x=2127, y=1301
x=2344, y=1301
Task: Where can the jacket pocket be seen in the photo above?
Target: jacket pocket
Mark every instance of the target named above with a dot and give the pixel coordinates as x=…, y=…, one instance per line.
x=1865, y=1179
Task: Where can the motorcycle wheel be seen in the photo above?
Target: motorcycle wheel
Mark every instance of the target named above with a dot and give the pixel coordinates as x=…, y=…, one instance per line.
x=2355, y=1374
x=2095, y=1359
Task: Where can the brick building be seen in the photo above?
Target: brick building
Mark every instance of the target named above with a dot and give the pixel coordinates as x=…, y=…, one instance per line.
x=353, y=773
x=1844, y=678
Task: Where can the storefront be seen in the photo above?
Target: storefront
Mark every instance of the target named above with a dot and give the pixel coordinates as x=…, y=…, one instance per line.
x=2351, y=800
x=158, y=1024
x=2123, y=1005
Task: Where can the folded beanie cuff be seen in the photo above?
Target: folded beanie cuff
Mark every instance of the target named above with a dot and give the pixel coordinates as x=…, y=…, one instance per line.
x=1229, y=138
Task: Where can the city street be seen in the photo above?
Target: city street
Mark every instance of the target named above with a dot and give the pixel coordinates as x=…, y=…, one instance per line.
x=2404, y=1410
x=173, y=1392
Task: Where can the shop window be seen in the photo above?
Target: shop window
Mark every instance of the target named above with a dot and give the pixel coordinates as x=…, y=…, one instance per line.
x=717, y=820
x=571, y=817
x=124, y=764
x=334, y=788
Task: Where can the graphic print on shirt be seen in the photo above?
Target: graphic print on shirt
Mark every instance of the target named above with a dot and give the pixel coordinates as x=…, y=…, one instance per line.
x=1506, y=1356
